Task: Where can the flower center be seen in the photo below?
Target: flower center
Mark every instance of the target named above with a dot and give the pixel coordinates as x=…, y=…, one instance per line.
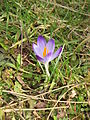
x=45, y=52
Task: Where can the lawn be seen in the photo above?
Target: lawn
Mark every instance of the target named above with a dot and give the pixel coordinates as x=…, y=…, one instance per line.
x=30, y=90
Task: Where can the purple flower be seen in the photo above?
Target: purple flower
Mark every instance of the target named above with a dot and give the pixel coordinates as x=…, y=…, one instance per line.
x=45, y=51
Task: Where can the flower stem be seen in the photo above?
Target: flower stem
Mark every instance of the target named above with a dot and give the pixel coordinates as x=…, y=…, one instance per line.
x=47, y=71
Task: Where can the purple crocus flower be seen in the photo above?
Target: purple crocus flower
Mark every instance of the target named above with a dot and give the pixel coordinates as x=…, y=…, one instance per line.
x=45, y=51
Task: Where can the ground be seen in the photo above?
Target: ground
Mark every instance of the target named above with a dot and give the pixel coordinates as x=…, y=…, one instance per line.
x=26, y=92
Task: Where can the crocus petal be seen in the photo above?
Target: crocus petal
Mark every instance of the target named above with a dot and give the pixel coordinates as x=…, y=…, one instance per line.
x=39, y=58
x=47, y=57
x=37, y=50
x=56, y=54
x=50, y=45
x=41, y=42
x=45, y=51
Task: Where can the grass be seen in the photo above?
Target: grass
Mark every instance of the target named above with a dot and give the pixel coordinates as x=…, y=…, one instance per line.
x=25, y=91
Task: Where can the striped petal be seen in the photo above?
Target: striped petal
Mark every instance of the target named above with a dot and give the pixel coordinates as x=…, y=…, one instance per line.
x=47, y=57
x=56, y=54
x=50, y=45
x=41, y=42
x=39, y=58
x=37, y=50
